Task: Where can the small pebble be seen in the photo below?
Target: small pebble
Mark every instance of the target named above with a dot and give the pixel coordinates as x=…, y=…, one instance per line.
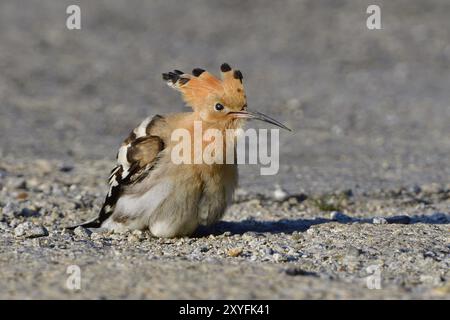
x=99, y=230
x=379, y=220
x=339, y=216
x=26, y=212
x=66, y=168
x=29, y=230
x=96, y=236
x=22, y=196
x=355, y=252
x=296, y=236
x=133, y=238
x=248, y=235
x=82, y=232
x=415, y=189
x=235, y=252
x=43, y=165
x=21, y=184
x=3, y=226
x=280, y=194
x=10, y=209
x=22, y=228
x=278, y=257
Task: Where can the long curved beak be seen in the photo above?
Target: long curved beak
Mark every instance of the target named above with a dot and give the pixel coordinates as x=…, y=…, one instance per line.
x=246, y=114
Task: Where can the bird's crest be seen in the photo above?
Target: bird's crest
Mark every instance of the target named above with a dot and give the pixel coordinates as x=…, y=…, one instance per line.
x=202, y=89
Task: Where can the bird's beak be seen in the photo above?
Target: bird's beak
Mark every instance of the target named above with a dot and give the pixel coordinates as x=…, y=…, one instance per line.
x=246, y=114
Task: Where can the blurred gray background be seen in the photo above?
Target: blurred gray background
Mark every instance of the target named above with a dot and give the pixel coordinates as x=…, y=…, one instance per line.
x=369, y=109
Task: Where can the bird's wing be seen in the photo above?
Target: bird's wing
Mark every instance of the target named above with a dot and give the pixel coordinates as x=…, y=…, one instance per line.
x=136, y=158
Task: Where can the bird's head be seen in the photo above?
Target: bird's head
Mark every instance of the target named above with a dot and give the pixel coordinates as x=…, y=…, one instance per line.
x=216, y=101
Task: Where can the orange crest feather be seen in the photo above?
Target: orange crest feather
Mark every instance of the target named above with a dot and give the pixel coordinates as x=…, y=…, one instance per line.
x=202, y=89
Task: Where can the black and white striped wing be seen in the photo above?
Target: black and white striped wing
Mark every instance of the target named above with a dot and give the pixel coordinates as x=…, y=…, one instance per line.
x=137, y=156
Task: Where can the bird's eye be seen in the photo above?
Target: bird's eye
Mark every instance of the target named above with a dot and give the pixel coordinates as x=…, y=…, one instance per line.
x=219, y=107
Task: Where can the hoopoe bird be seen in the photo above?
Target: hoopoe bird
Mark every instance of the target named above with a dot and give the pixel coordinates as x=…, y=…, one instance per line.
x=148, y=191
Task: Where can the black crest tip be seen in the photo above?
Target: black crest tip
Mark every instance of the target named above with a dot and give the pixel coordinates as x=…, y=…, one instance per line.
x=197, y=72
x=165, y=76
x=237, y=75
x=225, y=67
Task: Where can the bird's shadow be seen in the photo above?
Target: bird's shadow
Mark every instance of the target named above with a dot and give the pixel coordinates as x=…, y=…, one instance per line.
x=288, y=226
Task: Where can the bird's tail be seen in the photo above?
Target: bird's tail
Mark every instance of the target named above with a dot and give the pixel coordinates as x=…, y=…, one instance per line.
x=96, y=222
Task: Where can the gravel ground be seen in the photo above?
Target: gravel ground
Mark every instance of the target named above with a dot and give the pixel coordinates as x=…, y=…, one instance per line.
x=269, y=246
x=364, y=178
